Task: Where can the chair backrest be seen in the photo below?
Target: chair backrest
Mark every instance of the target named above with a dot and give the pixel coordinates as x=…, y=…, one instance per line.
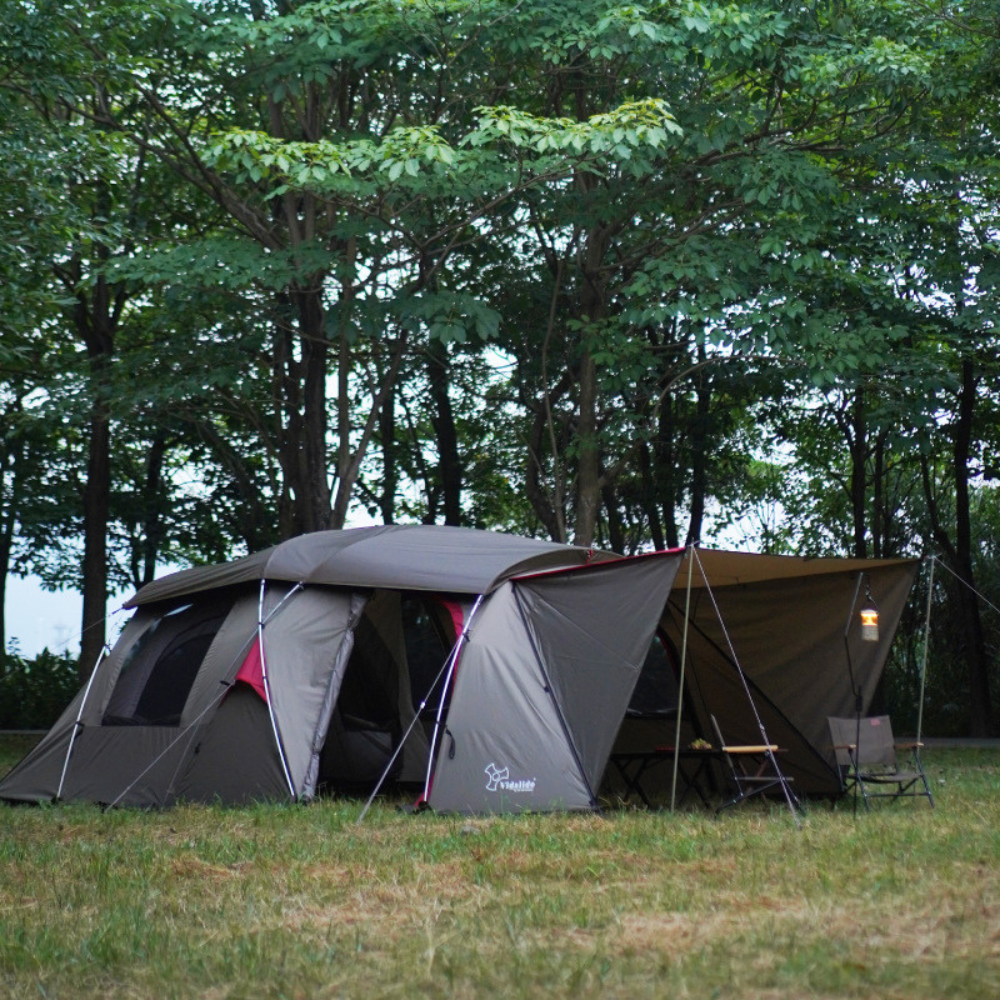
x=876, y=745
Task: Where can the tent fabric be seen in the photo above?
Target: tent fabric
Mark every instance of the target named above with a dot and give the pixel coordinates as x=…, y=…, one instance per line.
x=393, y=557
x=577, y=646
x=504, y=747
x=535, y=733
x=234, y=764
x=721, y=568
x=278, y=674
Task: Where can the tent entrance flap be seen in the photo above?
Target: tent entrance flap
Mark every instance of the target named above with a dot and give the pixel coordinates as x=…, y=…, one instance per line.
x=373, y=707
x=547, y=673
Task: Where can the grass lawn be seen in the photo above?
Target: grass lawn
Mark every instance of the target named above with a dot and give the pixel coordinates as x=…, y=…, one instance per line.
x=286, y=901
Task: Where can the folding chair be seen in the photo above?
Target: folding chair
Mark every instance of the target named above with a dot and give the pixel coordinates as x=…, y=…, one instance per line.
x=746, y=782
x=866, y=756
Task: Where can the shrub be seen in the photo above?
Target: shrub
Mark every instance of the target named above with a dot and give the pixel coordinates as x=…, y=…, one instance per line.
x=33, y=692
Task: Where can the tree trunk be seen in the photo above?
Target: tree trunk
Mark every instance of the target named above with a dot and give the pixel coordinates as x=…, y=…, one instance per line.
x=858, y=449
x=95, y=322
x=153, y=520
x=881, y=515
x=665, y=475
x=548, y=506
x=588, y=476
x=390, y=472
x=616, y=533
x=96, y=514
x=649, y=500
x=10, y=488
x=315, y=505
x=443, y=421
x=981, y=712
x=699, y=456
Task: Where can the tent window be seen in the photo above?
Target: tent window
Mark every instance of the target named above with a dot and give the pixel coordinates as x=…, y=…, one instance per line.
x=429, y=635
x=655, y=692
x=160, y=669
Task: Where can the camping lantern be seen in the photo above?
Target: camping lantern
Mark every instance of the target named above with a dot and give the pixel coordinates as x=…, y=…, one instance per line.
x=869, y=618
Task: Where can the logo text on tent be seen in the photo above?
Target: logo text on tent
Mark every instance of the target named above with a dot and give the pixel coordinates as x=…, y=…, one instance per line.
x=499, y=780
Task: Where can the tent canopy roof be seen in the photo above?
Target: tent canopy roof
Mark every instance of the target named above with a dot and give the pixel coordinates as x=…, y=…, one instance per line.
x=399, y=557
x=727, y=569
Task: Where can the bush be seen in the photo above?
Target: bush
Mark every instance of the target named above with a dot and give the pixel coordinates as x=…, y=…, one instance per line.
x=33, y=692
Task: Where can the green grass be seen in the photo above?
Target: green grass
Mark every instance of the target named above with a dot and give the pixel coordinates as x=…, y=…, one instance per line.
x=270, y=901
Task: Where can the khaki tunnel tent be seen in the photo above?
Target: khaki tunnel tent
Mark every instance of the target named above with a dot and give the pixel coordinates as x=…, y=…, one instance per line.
x=305, y=666
x=782, y=618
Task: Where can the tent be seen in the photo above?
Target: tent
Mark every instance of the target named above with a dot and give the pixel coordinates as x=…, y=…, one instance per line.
x=324, y=662
x=782, y=621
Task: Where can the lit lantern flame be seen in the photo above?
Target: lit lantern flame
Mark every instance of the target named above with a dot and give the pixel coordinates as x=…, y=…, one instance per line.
x=869, y=624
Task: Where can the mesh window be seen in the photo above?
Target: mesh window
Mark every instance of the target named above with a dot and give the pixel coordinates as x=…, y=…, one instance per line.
x=655, y=692
x=429, y=635
x=157, y=675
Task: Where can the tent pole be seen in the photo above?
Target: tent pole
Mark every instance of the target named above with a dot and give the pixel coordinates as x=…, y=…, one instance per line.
x=927, y=642
x=450, y=664
x=680, y=689
x=79, y=715
x=267, y=690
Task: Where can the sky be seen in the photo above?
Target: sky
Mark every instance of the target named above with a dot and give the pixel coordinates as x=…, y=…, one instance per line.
x=37, y=618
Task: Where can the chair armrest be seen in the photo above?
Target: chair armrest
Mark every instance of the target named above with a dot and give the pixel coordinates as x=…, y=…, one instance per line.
x=908, y=746
x=844, y=746
x=762, y=748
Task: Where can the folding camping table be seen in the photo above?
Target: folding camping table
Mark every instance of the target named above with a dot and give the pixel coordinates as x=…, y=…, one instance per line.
x=692, y=764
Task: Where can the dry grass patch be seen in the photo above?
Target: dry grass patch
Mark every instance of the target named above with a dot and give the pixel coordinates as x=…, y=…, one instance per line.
x=300, y=902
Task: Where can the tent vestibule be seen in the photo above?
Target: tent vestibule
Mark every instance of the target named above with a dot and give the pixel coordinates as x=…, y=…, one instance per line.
x=780, y=621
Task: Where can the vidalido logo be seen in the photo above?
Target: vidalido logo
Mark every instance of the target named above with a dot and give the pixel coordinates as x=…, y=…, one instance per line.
x=499, y=780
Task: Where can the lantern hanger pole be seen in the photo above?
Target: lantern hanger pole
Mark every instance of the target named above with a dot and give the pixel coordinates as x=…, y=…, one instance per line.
x=855, y=687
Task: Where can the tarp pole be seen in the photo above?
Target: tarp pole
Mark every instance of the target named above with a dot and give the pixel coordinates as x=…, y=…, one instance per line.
x=267, y=691
x=79, y=715
x=680, y=694
x=856, y=691
x=927, y=642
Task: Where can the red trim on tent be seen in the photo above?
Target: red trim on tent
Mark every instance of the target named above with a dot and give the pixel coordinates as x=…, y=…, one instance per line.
x=458, y=622
x=252, y=670
x=454, y=610
x=603, y=564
